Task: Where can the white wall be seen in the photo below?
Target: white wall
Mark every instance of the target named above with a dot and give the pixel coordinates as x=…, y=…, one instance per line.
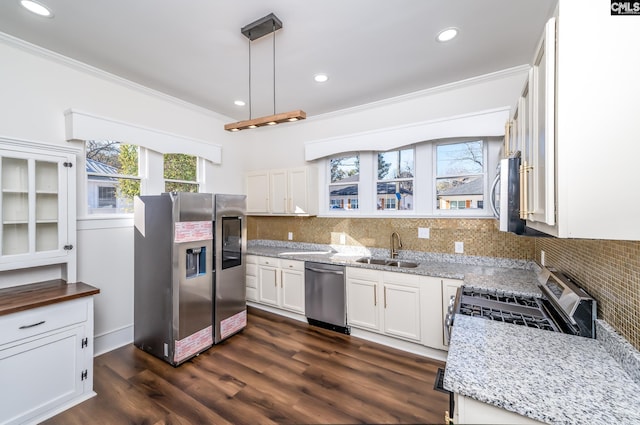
x=38, y=87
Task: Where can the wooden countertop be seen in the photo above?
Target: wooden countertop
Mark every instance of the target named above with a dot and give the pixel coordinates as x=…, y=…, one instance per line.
x=25, y=297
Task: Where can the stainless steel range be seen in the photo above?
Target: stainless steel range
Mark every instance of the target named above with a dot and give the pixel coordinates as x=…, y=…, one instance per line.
x=564, y=307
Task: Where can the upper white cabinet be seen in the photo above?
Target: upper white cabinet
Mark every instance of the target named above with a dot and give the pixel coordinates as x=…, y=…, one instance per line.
x=581, y=158
x=37, y=206
x=291, y=191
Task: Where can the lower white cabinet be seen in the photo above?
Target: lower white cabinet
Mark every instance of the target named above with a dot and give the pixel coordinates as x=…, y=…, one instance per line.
x=252, y=277
x=280, y=283
x=46, y=360
x=471, y=411
x=401, y=305
x=385, y=302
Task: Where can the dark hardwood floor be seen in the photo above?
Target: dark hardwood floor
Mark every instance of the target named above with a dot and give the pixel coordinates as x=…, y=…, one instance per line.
x=276, y=371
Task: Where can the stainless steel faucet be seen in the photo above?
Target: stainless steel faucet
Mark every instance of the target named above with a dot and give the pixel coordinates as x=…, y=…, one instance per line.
x=394, y=250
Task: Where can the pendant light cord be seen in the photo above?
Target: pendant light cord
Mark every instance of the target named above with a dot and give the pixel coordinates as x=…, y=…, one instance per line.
x=250, y=103
x=274, y=68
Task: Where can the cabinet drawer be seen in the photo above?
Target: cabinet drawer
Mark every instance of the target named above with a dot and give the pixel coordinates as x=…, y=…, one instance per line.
x=362, y=273
x=252, y=269
x=39, y=320
x=292, y=265
x=251, y=259
x=269, y=261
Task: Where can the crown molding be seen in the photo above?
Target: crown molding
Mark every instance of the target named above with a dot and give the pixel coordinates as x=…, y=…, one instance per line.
x=97, y=72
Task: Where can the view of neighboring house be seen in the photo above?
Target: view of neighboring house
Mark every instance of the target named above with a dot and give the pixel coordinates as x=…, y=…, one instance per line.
x=467, y=193
x=101, y=188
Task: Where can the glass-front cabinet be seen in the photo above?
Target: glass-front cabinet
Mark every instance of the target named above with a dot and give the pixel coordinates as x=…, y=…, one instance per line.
x=35, y=206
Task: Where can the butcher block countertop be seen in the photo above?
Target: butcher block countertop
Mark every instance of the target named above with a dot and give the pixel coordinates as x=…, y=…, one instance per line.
x=40, y=294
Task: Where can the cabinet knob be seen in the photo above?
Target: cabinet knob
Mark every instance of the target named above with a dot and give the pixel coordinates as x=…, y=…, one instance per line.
x=68, y=247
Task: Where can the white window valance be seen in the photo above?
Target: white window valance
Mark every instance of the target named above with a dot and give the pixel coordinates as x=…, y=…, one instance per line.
x=479, y=124
x=83, y=126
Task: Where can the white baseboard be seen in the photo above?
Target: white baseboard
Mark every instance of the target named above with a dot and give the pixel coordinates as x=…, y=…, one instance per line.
x=111, y=340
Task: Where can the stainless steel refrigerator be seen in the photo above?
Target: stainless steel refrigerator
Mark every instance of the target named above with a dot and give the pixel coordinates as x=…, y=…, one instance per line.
x=173, y=278
x=230, y=306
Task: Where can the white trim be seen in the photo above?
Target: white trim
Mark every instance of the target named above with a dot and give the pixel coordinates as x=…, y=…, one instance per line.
x=478, y=124
x=493, y=76
x=84, y=126
x=105, y=222
x=111, y=340
x=83, y=67
x=22, y=145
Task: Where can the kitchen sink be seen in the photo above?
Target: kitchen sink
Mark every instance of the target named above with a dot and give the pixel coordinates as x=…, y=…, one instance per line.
x=402, y=264
x=369, y=260
x=383, y=262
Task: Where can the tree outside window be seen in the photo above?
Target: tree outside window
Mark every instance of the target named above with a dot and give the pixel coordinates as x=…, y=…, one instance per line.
x=112, y=176
x=394, y=186
x=460, y=176
x=180, y=173
x=343, y=187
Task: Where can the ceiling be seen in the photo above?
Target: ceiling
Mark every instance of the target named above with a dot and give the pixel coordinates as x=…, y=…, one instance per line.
x=370, y=49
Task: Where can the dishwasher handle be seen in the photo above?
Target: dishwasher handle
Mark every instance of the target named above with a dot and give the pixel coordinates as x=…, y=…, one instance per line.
x=313, y=269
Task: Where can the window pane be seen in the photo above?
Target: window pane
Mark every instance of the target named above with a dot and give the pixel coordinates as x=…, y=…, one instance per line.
x=180, y=187
x=345, y=169
x=178, y=166
x=395, y=164
x=343, y=197
x=107, y=191
x=460, y=192
x=395, y=195
x=459, y=159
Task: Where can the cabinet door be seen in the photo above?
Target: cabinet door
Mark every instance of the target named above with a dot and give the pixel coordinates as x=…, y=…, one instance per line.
x=268, y=284
x=279, y=193
x=362, y=304
x=298, y=196
x=542, y=189
x=258, y=192
x=40, y=375
x=402, y=311
x=252, y=278
x=292, y=290
x=34, y=208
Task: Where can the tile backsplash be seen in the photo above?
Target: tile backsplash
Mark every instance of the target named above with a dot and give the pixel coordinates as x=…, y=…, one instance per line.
x=608, y=270
x=479, y=236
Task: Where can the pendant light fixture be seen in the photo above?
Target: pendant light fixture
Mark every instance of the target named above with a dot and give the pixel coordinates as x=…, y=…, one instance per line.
x=255, y=30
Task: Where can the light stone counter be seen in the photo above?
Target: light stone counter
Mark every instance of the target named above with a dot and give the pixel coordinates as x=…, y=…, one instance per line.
x=503, y=275
x=548, y=376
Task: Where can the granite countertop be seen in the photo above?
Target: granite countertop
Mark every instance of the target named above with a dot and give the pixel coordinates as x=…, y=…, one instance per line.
x=502, y=275
x=548, y=376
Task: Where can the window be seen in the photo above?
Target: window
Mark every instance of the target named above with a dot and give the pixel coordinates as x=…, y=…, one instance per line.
x=180, y=173
x=112, y=176
x=460, y=175
x=344, y=181
x=394, y=187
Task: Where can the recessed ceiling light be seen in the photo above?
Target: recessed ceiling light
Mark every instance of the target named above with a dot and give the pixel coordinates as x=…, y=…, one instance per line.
x=321, y=78
x=239, y=102
x=447, y=34
x=37, y=8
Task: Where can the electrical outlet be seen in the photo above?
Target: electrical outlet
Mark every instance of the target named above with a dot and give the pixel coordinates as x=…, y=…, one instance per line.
x=542, y=258
x=423, y=232
x=459, y=247
x=343, y=239
x=290, y=236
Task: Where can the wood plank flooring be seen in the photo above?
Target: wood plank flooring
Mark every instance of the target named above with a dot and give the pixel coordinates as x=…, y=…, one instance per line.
x=276, y=371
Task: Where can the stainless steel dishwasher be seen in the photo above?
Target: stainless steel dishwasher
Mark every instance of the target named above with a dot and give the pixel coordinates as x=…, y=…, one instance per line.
x=325, y=296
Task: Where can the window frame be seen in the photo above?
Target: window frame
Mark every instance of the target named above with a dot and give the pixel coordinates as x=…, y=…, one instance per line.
x=395, y=180
x=197, y=183
x=326, y=199
x=424, y=181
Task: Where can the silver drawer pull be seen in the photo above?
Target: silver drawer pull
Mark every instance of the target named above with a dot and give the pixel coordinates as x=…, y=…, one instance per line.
x=31, y=326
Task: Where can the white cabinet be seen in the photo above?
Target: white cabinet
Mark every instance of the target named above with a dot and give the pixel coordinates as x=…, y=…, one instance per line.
x=291, y=191
x=280, y=283
x=46, y=360
x=37, y=206
x=449, y=289
x=471, y=411
x=252, y=278
x=584, y=128
x=385, y=302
